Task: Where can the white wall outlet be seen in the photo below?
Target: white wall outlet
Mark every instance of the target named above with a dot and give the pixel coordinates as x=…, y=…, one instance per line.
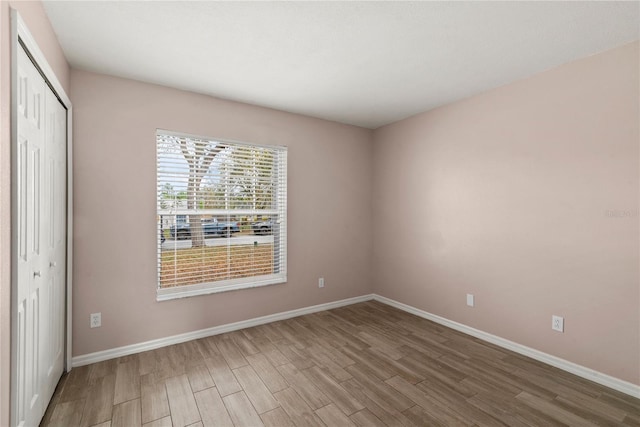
x=95, y=320
x=321, y=282
x=557, y=323
x=470, y=300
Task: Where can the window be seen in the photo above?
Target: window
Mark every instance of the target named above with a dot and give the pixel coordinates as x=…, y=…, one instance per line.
x=221, y=213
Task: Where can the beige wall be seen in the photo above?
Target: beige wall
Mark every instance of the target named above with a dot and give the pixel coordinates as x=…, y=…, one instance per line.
x=329, y=200
x=34, y=16
x=508, y=196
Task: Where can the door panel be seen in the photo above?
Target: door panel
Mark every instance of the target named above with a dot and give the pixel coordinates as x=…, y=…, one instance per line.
x=21, y=175
x=55, y=238
x=22, y=371
x=31, y=141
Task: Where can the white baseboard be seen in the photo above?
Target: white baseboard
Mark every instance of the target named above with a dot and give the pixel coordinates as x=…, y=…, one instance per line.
x=579, y=370
x=99, y=356
x=565, y=365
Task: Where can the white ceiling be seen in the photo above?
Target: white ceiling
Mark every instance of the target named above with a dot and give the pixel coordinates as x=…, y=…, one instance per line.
x=361, y=63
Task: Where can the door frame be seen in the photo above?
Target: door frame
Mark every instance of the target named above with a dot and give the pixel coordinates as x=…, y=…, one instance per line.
x=20, y=35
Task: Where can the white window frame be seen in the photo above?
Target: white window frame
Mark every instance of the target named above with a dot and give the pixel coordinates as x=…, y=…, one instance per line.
x=183, y=291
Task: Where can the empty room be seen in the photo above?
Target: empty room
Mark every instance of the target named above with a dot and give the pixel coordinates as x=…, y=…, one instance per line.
x=309, y=213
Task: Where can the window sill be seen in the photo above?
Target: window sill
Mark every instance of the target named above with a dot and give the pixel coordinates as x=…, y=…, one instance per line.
x=222, y=286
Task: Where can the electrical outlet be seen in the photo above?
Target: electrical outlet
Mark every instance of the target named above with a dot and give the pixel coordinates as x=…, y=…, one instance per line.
x=95, y=320
x=321, y=282
x=557, y=323
x=470, y=300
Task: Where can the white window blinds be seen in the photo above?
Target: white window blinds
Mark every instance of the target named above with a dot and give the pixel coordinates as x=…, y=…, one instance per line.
x=221, y=215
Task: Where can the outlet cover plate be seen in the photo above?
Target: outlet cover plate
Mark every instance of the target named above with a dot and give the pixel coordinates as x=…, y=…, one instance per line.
x=557, y=323
x=95, y=320
x=321, y=282
x=470, y=300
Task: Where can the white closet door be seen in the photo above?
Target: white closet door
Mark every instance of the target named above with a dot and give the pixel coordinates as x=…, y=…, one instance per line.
x=55, y=228
x=40, y=243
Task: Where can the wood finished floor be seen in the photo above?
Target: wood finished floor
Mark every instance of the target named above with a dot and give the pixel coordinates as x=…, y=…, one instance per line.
x=365, y=365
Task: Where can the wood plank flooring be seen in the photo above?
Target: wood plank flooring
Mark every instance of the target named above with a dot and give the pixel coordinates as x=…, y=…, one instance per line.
x=363, y=365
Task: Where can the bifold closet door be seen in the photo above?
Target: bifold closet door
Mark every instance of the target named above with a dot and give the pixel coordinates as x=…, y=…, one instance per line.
x=41, y=241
